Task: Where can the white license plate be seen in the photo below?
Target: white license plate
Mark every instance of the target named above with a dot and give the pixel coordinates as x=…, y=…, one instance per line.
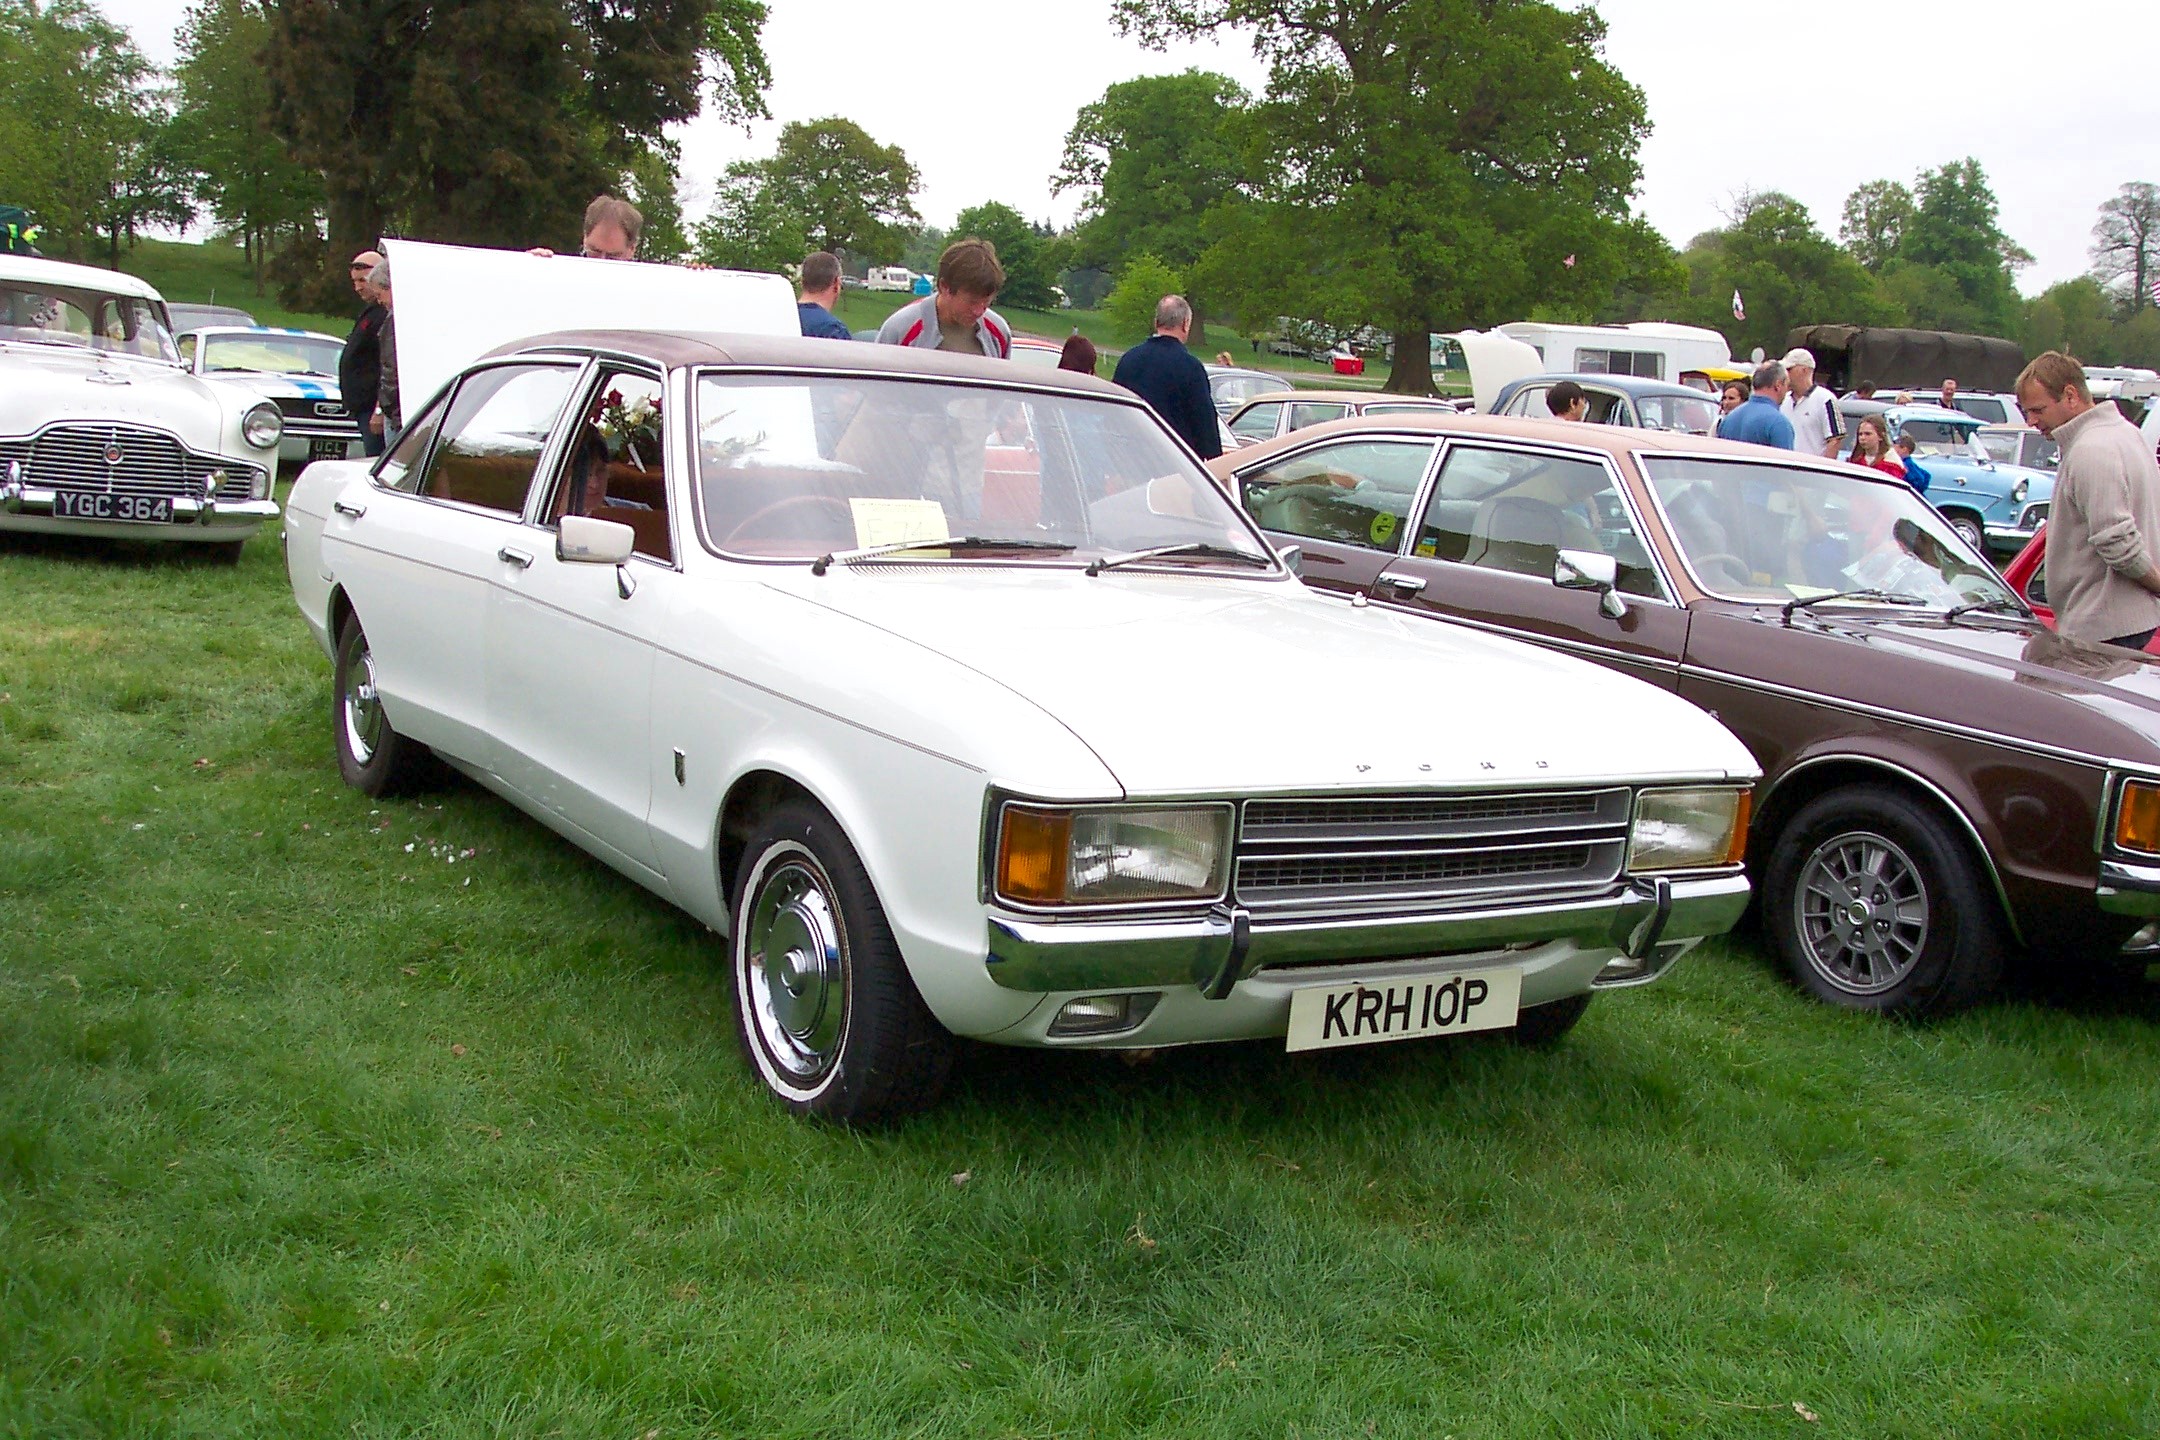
x=1369, y=1013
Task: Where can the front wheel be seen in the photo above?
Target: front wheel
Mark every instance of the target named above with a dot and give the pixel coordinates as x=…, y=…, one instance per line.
x=1970, y=528
x=372, y=757
x=824, y=1006
x=1873, y=903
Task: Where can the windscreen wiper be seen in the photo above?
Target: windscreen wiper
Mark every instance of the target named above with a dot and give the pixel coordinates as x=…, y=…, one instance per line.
x=950, y=542
x=1190, y=547
x=1999, y=603
x=1864, y=593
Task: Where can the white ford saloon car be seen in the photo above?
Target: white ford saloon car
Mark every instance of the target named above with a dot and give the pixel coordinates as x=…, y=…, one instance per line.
x=963, y=703
x=103, y=432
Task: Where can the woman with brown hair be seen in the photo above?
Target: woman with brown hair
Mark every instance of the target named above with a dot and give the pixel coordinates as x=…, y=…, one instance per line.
x=1871, y=447
x=1078, y=354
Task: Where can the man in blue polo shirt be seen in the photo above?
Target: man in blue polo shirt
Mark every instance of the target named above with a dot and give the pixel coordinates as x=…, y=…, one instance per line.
x=1761, y=421
x=820, y=294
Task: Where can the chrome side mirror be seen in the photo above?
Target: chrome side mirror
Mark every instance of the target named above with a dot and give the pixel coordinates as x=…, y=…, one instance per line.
x=1589, y=570
x=1292, y=557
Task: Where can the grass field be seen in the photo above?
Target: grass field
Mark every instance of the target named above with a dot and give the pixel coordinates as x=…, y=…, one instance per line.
x=329, y=1117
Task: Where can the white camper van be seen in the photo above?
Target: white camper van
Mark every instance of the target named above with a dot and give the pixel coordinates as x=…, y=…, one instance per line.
x=890, y=277
x=1650, y=349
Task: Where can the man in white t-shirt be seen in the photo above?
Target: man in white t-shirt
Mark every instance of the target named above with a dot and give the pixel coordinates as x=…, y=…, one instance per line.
x=1817, y=427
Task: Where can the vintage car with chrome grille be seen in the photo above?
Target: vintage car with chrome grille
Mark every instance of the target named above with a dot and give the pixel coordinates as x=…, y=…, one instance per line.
x=295, y=370
x=103, y=431
x=918, y=676
x=1945, y=779
x=1994, y=505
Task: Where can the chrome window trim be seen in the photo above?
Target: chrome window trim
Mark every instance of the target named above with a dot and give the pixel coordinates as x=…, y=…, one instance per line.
x=442, y=399
x=1298, y=451
x=1448, y=444
x=586, y=389
x=1972, y=831
x=1276, y=570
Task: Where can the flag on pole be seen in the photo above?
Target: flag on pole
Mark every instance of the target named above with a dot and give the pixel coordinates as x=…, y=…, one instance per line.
x=1739, y=311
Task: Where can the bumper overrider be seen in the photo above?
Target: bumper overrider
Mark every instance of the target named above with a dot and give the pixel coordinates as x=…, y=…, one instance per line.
x=1647, y=922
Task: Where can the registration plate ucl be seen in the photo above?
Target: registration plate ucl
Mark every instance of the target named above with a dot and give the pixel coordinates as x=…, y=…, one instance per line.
x=96, y=505
x=327, y=449
x=1370, y=1012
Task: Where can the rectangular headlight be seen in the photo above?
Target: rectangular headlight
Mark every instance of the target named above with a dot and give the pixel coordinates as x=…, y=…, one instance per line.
x=1111, y=855
x=1688, y=829
x=2137, y=817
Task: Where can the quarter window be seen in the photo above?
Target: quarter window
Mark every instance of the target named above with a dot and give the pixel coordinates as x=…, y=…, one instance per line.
x=1357, y=493
x=1517, y=510
x=494, y=431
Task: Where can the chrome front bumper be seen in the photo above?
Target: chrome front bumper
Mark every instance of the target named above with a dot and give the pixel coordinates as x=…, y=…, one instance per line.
x=19, y=499
x=1216, y=950
x=2009, y=536
x=2129, y=889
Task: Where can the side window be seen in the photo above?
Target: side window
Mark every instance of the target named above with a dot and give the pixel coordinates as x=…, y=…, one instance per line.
x=1530, y=400
x=2036, y=588
x=1516, y=511
x=496, y=426
x=1606, y=408
x=1355, y=493
x=1257, y=422
x=187, y=351
x=612, y=467
x=1304, y=413
x=401, y=467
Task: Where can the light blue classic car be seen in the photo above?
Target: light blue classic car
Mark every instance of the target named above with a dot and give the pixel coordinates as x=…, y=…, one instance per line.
x=1995, y=506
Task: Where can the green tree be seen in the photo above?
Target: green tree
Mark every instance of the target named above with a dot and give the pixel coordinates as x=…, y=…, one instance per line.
x=749, y=228
x=924, y=244
x=1954, y=228
x=80, y=126
x=843, y=189
x=493, y=122
x=1021, y=251
x=242, y=171
x=1153, y=155
x=654, y=181
x=1786, y=272
x=1419, y=165
x=2126, y=242
x=1130, y=306
x=1876, y=215
x=2076, y=317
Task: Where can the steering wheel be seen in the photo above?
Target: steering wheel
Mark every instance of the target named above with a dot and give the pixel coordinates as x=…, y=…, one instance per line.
x=786, y=505
x=1725, y=560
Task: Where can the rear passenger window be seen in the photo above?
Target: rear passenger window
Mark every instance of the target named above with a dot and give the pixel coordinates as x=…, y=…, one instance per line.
x=1517, y=510
x=1257, y=422
x=1309, y=412
x=494, y=431
x=1355, y=493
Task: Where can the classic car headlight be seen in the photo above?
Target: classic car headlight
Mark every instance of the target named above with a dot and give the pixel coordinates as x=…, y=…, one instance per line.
x=1111, y=855
x=2137, y=817
x=1688, y=829
x=262, y=425
x=2017, y=492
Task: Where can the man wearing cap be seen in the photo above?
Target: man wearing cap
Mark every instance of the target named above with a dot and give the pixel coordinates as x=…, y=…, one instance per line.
x=1811, y=407
x=360, y=365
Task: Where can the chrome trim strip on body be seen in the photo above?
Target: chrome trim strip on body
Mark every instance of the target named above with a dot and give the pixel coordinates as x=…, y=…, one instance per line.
x=1039, y=957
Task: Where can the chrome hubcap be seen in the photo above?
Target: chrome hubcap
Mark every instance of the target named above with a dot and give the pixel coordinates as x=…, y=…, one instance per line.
x=1862, y=912
x=363, y=712
x=795, y=963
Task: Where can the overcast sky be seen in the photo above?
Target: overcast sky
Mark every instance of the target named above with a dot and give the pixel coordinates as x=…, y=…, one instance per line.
x=2056, y=101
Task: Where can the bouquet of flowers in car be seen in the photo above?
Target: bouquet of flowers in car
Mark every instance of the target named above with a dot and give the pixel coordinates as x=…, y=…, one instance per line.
x=624, y=428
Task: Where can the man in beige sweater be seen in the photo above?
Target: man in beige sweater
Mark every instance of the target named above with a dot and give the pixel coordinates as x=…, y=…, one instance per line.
x=2104, y=522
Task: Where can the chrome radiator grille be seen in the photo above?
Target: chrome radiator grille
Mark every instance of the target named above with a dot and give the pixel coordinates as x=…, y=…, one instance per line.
x=121, y=460
x=1428, y=850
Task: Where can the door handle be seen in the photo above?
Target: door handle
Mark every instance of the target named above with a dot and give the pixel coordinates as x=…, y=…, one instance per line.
x=1403, y=584
x=346, y=507
x=514, y=557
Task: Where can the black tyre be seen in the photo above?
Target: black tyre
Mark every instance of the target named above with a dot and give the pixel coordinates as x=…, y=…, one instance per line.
x=1543, y=1025
x=1969, y=526
x=372, y=756
x=226, y=552
x=824, y=1006
x=1873, y=902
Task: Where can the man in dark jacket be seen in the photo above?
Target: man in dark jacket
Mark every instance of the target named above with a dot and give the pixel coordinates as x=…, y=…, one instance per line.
x=359, y=368
x=1161, y=371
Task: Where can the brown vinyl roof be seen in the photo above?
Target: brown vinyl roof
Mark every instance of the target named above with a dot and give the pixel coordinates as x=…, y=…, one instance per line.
x=1614, y=439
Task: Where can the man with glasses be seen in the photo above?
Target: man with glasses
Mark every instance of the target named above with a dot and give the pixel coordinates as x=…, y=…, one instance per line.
x=612, y=227
x=360, y=363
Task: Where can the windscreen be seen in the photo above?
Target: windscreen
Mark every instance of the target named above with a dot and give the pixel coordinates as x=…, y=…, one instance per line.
x=270, y=353
x=1938, y=437
x=795, y=467
x=87, y=319
x=1774, y=533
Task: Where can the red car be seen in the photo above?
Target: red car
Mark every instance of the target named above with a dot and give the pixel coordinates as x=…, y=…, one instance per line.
x=2025, y=575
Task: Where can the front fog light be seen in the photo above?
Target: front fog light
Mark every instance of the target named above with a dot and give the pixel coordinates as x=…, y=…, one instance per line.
x=262, y=426
x=1103, y=1014
x=1688, y=829
x=260, y=490
x=1112, y=855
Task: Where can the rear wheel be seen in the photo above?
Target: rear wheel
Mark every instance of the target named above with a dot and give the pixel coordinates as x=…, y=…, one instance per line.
x=824, y=1006
x=1873, y=902
x=372, y=757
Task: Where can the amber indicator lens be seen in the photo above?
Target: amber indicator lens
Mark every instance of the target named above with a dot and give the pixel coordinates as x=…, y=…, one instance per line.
x=2137, y=818
x=1034, y=849
x=1736, y=847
